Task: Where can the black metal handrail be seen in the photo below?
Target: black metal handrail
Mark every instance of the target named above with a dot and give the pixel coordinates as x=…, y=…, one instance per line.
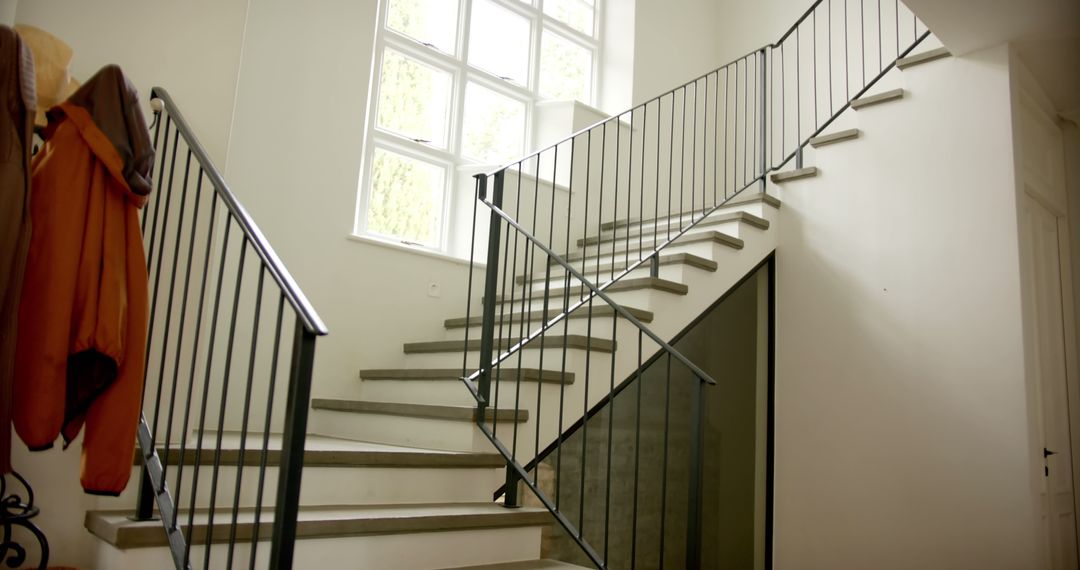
x=647, y=176
x=201, y=241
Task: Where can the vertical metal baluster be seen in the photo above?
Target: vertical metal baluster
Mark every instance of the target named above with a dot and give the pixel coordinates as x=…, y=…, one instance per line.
x=682, y=161
x=693, y=157
x=206, y=388
x=735, y=136
x=764, y=142
x=664, y=463
x=566, y=328
x=880, y=58
x=584, y=415
x=847, y=60
x=169, y=312
x=194, y=355
x=727, y=91
x=157, y=271
x=716, y=137
x=491, y=289
x=180, y=333
x=637, y=453
x=656, y=190
x=862, y=38
x=783, y=101
x=798, y=99
x=817, y=121
x=697, y=451
x=507, y=300
x=610, y=436
x=614, y=205
x=265, y=453
x=600, y=201
x=157, y=155
x=896, y=10
x=545, y=309
x=468, y=297
x=224, y=401
x=641, y=174
x=240, y=458
x=829, y=32
x=523, y=328
x=671, y=167
x=157, y=199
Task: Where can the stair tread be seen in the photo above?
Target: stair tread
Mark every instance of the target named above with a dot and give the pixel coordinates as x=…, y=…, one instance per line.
x=630, y=284
x=429, y=411
x=681, y=257
x=794, y=174
x=924, y=57
x=733, y=202
x=118, y=530
x=454, y=374
x=836, y=137
x=718, y=237
x=550, y=341
x=323, y=451
x=744, y=217
x=868, y=100
x=535, y=316
x=544, y=564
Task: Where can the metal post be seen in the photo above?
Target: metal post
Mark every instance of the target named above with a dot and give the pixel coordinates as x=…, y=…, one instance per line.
x=491, y=288
x=697, y=444
x=511, y=500
x=654, y=265
x=287, y=508
x=144, y=505
x=798, y=156
x=764, y=113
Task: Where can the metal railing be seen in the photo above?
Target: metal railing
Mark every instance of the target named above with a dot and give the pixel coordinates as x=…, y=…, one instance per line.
x=206, y=439
x=568, y=223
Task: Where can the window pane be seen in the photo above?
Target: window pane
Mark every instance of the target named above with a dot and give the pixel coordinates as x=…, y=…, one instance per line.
x=499, y=41
x=432, y=22
x=494, y=125
x=565, y=69
x=414, y=99
x=406, y=198
x=577, y=14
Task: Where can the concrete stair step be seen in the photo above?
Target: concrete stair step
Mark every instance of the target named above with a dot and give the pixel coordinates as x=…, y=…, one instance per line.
x=116, y=529
x=623, y=285
x=453, y=374
x=924, y=57
x=734, y=202
x=789, y=175
x=871, y=100
x=423, y=411
x=553, y=311
x=666, y=259
x=839, y=136
x=321, y=451
x=742, y=217
x=551, y=341
x=690, y=238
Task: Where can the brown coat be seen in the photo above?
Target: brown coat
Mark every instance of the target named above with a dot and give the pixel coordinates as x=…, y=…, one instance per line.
x=17, y=104
x=83, y=315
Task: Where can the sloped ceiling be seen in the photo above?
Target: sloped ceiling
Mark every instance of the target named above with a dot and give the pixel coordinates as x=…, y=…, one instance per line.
x=1046, y=34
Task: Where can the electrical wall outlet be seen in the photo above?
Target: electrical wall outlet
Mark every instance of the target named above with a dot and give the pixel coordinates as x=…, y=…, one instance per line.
x=433, y=290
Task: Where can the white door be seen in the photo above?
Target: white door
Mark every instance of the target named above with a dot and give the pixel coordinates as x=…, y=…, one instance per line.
x=1044, y=277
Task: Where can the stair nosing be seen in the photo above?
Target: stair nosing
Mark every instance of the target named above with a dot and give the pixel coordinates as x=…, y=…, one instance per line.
x=681, y=257
x=454, y=374
x=629, y=284
x=141, y=534
x=884, y=97
x=426, y=411
x=534, y=316
x=334, y=458
x=832, y=138
x=924, y=57
x=570, y=341
x=796, y=174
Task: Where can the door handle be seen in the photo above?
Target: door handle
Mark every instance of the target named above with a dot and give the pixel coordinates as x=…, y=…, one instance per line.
x=1048, y=453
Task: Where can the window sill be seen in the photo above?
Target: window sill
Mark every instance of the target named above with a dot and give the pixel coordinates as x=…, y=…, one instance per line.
x=411, y=249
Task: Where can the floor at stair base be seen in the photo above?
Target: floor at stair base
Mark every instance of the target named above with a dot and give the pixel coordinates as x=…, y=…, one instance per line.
x=418, y=551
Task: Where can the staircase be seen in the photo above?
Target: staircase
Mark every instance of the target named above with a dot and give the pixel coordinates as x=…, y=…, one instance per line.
x=572, y=294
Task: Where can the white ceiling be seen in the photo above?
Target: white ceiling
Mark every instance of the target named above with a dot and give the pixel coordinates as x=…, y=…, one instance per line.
x=1046, y=34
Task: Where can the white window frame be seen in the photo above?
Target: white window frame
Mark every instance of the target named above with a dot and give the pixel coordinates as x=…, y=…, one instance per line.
x=461, y=74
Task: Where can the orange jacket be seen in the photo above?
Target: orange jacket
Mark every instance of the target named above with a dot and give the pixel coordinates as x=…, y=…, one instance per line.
x=83, y=312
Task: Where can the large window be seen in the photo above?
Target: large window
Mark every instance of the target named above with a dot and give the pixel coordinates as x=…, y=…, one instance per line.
x=455, y=83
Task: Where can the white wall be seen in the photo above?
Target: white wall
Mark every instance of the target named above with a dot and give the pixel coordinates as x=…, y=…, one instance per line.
x=902, y=434
x=7, y=12
x=190, y=48
x=674, y=42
